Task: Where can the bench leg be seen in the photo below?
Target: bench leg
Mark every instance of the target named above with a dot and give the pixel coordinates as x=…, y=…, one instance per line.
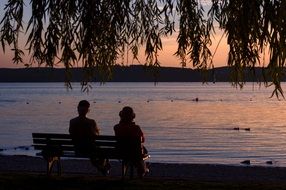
x=125, y=167
x=59, y=166
x=50, y=164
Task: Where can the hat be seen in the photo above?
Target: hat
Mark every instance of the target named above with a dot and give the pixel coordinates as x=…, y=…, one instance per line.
x=127, y=113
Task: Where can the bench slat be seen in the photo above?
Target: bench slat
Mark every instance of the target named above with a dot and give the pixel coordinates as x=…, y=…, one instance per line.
x=68, y=136
x=106, y=138
x=63, y=148
x=51, y=135
x=53, y=141
x=71, y=143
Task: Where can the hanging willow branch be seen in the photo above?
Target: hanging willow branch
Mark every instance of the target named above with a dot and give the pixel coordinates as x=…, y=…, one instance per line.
x=95, y=33
x=253, y=27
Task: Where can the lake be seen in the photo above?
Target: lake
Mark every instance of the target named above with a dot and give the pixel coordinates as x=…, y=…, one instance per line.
x=178, y=129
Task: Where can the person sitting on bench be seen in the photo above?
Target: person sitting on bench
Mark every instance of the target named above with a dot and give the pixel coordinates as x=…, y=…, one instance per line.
x=127, y=128
x=83, y=131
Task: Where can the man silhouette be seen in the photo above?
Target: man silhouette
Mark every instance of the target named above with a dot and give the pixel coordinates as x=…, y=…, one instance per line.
x=84, y=131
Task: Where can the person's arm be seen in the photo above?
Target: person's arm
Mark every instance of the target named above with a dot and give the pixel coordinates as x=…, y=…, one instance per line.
x=95, y=129
x=142, y=138
x=115, y=129
x=71, y=127
x=141, y=135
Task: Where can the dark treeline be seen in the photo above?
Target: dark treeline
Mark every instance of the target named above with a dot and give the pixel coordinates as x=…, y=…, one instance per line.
x=135, y=73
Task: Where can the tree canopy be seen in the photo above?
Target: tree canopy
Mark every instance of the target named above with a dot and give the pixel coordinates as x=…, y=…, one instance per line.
x=95, y=33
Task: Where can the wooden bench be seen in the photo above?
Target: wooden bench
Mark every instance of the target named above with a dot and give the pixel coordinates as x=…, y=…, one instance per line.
x=53, y=146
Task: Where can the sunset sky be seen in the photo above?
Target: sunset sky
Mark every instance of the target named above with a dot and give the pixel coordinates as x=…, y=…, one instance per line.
x=166, y=57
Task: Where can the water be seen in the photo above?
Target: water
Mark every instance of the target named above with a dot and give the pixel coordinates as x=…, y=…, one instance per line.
x=177, y=129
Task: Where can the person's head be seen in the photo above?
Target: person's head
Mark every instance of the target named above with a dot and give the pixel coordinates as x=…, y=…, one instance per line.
x=83, y=107
x=127, y=114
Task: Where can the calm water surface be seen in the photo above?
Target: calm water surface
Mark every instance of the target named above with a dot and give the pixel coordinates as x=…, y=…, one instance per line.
x=177, y=128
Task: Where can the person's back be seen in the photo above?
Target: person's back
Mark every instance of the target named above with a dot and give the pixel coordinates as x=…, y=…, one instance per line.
x=83, y=131
x=128, y=129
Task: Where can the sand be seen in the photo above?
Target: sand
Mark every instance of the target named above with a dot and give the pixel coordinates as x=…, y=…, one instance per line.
x=202, y=172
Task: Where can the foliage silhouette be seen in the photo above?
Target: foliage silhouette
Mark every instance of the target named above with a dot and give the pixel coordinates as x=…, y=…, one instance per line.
x=96, y=33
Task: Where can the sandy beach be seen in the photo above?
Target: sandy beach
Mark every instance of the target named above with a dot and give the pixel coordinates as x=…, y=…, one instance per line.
x=201, y=172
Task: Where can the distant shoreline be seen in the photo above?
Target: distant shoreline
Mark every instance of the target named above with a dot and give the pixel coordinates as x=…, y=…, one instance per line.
x=133, y=73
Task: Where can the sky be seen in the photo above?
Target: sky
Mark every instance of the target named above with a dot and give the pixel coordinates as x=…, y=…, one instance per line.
x=166, y=56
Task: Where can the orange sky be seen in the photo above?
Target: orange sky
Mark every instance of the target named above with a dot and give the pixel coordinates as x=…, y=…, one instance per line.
x=166, y=57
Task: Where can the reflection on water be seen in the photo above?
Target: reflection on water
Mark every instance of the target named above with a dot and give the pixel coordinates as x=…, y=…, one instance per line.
x=178, y=129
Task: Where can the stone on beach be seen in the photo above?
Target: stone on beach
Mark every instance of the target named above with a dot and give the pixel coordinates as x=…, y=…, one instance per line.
x=246, y=162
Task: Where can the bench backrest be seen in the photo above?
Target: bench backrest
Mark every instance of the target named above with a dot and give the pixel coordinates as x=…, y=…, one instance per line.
x=108, y=146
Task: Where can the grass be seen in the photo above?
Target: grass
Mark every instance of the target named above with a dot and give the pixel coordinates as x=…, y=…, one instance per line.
x=24, y=181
